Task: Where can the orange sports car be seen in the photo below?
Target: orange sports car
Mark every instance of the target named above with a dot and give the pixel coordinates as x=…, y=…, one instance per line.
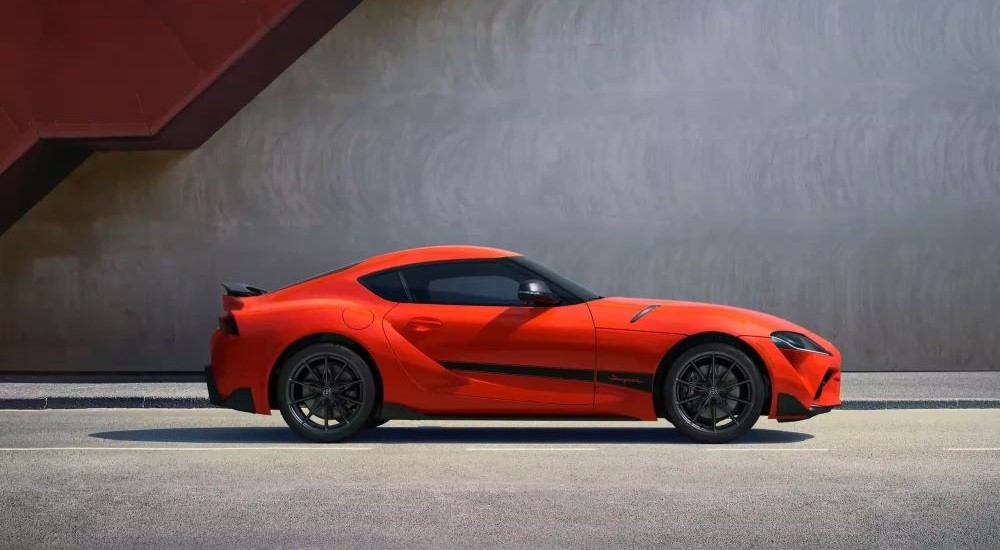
x=473, y=332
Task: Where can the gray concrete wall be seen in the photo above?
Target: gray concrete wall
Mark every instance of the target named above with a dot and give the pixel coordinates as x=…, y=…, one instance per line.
x=833, y=162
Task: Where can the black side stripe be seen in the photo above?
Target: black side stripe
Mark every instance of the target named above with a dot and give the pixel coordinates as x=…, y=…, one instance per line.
x=631, y=380
x=546, y=372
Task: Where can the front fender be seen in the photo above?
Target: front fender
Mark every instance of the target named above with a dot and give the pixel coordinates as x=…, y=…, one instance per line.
x=685, y=318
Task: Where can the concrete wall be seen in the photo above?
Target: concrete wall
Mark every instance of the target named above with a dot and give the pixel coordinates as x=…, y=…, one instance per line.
x=833, y=162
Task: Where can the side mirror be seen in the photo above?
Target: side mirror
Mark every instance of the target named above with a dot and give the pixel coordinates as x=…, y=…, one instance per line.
x=536, y=293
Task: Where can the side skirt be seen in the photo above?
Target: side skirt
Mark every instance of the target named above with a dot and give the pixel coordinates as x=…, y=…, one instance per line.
x=395, y=411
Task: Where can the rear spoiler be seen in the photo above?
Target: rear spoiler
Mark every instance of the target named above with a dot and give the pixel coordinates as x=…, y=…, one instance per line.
x=242, y=290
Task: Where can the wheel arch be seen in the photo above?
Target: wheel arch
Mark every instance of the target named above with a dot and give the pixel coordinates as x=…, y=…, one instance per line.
x=323, y=338
x=698, y=339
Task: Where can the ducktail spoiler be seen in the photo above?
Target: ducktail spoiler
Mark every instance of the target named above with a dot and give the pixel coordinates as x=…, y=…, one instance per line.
x=242, y=290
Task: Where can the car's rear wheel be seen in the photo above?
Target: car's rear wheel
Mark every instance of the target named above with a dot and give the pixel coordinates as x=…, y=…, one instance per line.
x=713, y=393
x=326, y=392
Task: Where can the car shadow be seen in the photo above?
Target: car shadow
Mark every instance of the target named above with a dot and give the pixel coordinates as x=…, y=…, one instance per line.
x=443, y=434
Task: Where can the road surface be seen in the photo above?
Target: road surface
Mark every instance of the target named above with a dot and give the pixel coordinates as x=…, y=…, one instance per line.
x=104, y=478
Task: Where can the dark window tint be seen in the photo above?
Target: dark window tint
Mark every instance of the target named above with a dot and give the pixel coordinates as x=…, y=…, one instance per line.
x=386, y=286
x=490, y=283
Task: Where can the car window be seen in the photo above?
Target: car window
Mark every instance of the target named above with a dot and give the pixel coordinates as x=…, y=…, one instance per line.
x=492, y=283
x=386, y=285
x=476, y=289
x=557, y=280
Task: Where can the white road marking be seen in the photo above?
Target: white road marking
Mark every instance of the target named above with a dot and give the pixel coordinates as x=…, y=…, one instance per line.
x=776, y=449
x=529, y=449
x=300, y=448
x=973, y=449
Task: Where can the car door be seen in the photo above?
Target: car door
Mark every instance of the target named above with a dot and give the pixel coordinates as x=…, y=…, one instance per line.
x=465, y=318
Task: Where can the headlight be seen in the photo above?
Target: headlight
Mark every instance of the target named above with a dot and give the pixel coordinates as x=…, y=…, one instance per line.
x=796, y=341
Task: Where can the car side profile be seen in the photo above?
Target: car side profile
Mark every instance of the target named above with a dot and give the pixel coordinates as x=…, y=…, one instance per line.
x=475, y=332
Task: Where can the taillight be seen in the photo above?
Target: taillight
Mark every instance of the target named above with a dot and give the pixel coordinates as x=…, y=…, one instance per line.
x=227, y=324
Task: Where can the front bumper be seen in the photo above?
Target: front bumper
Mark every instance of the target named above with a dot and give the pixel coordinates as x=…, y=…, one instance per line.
x=791, y=409
x=803, y=384
x=241, y=399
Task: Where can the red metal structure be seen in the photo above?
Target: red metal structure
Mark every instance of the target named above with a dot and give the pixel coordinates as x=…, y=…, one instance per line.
x=77, y=77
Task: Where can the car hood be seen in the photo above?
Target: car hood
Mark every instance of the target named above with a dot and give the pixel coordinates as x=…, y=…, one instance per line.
x=679, y=317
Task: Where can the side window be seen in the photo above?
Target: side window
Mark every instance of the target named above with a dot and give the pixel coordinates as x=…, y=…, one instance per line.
x=386, y=286
x=486, y=283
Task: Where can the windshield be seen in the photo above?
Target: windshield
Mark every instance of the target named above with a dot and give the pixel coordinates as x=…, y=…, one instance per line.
x=566, y=284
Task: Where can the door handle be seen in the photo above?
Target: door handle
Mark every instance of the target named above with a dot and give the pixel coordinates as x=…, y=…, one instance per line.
x=423, y=324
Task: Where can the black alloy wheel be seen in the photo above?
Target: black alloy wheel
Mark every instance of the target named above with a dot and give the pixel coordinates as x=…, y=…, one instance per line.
x=326, y=392
x=714, y=393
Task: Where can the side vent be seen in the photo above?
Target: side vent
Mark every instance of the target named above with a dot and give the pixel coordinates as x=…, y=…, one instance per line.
x=643, y=312
x=822, y=384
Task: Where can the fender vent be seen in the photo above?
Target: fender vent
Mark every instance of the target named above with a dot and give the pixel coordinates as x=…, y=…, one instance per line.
x=643, y=312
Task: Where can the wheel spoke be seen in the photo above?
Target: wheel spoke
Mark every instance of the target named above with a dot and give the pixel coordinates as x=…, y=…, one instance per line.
x=347, y=386
x=689, y=399
x=731, y=386
x=343, y=367
x=311, y=371
x=312, y=408
x=701, y=408
x=350, y=400
x=711, y=369
x=730, y=397
x=729, y=411
x=692, y=384
x=306, y=398
x=714, y=421
x=729, y=370
x=700, y=375
x=343, y=414
x=304, y=384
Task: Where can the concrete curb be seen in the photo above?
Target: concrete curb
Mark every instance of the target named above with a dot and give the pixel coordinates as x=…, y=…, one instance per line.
x=40, y=403
x=951, y=403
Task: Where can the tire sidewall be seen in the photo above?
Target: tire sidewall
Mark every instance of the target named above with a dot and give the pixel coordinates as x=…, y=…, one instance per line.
x=367, y=403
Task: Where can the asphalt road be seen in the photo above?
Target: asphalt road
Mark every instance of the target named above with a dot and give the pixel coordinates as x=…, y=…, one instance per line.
x=221, y=479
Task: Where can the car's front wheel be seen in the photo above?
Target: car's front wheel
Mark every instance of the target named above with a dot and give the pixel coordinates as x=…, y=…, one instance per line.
x=713, y=393
x=326, y=392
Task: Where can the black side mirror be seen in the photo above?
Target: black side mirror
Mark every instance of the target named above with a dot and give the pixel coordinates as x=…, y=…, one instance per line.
x=536, y=293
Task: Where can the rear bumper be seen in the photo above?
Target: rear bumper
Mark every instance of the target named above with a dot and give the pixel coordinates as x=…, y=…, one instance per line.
x=240, y=399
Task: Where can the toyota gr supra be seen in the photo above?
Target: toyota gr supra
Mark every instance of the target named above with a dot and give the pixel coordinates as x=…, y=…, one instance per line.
x=473, y=332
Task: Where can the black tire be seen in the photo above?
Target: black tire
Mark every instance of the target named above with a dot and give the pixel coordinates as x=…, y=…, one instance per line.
x=713, y=393
x=326, y=392
x=376, y=422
